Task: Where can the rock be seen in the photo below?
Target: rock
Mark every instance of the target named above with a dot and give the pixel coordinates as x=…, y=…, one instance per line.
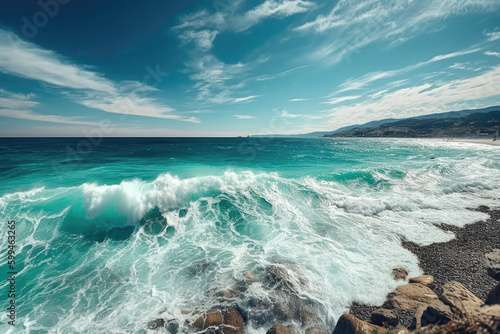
x=436, y=315
x=399, y=330
x=349, y=324
x=229, y=293
x=399, y=274
x=494, y=296
x=315, y=330
x=249, y=275
x=208, y=319
x=493, y=310
x=415, y=296
x=173, y=327
x=286, y=307
x=233, y=322
x=412, y=296
x=278, y=276
x=493, y=264
x=307, y=315
x=156, y=324
x=424, y=279
x=462, y=302
x=384, y=317
x=279, y=329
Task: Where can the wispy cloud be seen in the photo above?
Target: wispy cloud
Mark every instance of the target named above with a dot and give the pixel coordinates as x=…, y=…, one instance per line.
x=245, y=99
x=493, y=35
x=244, y=116
x=492, y=53
x=420, y=100
x=204, y=38
x=363, y=81
x=298, y=100
x=27, y=60
x=341, y=99
x=353, y=24
x=281, y=74
x=16, y=105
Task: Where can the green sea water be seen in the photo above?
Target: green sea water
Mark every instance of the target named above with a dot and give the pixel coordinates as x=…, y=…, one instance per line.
x=114, y=233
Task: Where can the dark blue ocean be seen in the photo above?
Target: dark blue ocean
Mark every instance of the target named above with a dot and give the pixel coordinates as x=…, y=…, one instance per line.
x=113, y=233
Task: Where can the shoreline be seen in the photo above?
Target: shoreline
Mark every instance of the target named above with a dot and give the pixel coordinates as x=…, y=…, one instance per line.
x=460, y=259
x=489, y=142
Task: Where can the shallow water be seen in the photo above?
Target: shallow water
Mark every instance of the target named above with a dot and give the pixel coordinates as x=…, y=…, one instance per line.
x=136, y=229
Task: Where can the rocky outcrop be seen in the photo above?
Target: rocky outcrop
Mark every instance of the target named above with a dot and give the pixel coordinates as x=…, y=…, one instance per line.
x=399, y=274
x=385, y=318
x=349, y=324
x=494, y=296
x=280, y=277
x=493, y=264
x=228, y=321
x=424, y=280
x=463, y=302
x=279, y=329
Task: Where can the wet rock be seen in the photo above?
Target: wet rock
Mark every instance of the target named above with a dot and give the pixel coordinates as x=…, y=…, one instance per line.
x=308, y=315
x=279, y=277
x=494, y=296
x=412, y=296
x=493, y=264
x=279, y=329
x=424, y=280
x=384, y=317
x=183, y=213
x=156, y=324
x=286, y=307
x=399, y=274
x=315, y=330
x=228, y=293
x=349, y=324
x=208, y=319
x=233, y=322
x=173, y=327
x=462, y=302
x=249, y=275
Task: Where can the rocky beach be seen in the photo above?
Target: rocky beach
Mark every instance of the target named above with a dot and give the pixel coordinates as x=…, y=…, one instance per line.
x=458, y=293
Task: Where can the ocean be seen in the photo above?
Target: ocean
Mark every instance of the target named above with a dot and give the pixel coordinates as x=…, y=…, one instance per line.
x=113, y=233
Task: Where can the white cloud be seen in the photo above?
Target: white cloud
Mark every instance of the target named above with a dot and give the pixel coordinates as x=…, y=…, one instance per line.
x=363, y=81
x=298, y=100
x=15, y=105
x=245, y=99
x=353, y=24
x=244, y=116
x=341, y=99
x=203, y=39
x=493, y=35
x=281, y=74
x=492, y=53
x=420, y=100
x=29, y=61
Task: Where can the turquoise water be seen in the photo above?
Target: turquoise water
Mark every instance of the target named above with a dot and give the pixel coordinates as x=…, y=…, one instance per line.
x=111, y=235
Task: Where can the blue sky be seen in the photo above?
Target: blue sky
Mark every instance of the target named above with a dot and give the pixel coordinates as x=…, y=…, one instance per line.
x=228, y=68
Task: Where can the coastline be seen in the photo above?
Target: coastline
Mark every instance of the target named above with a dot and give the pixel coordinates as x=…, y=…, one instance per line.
x=470, y=141
x=460, y=260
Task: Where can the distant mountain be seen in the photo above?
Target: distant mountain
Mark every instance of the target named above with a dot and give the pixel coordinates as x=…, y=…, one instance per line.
x=478, y=124
x=448, y=114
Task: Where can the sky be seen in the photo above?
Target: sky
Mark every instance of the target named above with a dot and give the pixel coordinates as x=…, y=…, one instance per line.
x=233, y=67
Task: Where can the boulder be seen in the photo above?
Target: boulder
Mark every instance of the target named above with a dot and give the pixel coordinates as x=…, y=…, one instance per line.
x=315, y=330
x=228, y=293
x=233, y=322
x=462, y=302
x=208, y=319
x=156, y=324
x=399, y=274
x=384, y=317
x=493, y=311
x=493, y=264
x=307, y=314
x=249, y=275
x=279, y=277
x=424, y=280
x=173, y=327
x=436, y=315
x=494, y=296
x=349, y=324
x=279, y=329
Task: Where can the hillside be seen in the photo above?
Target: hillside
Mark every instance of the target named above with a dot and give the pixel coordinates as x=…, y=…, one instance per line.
x=482, y=125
